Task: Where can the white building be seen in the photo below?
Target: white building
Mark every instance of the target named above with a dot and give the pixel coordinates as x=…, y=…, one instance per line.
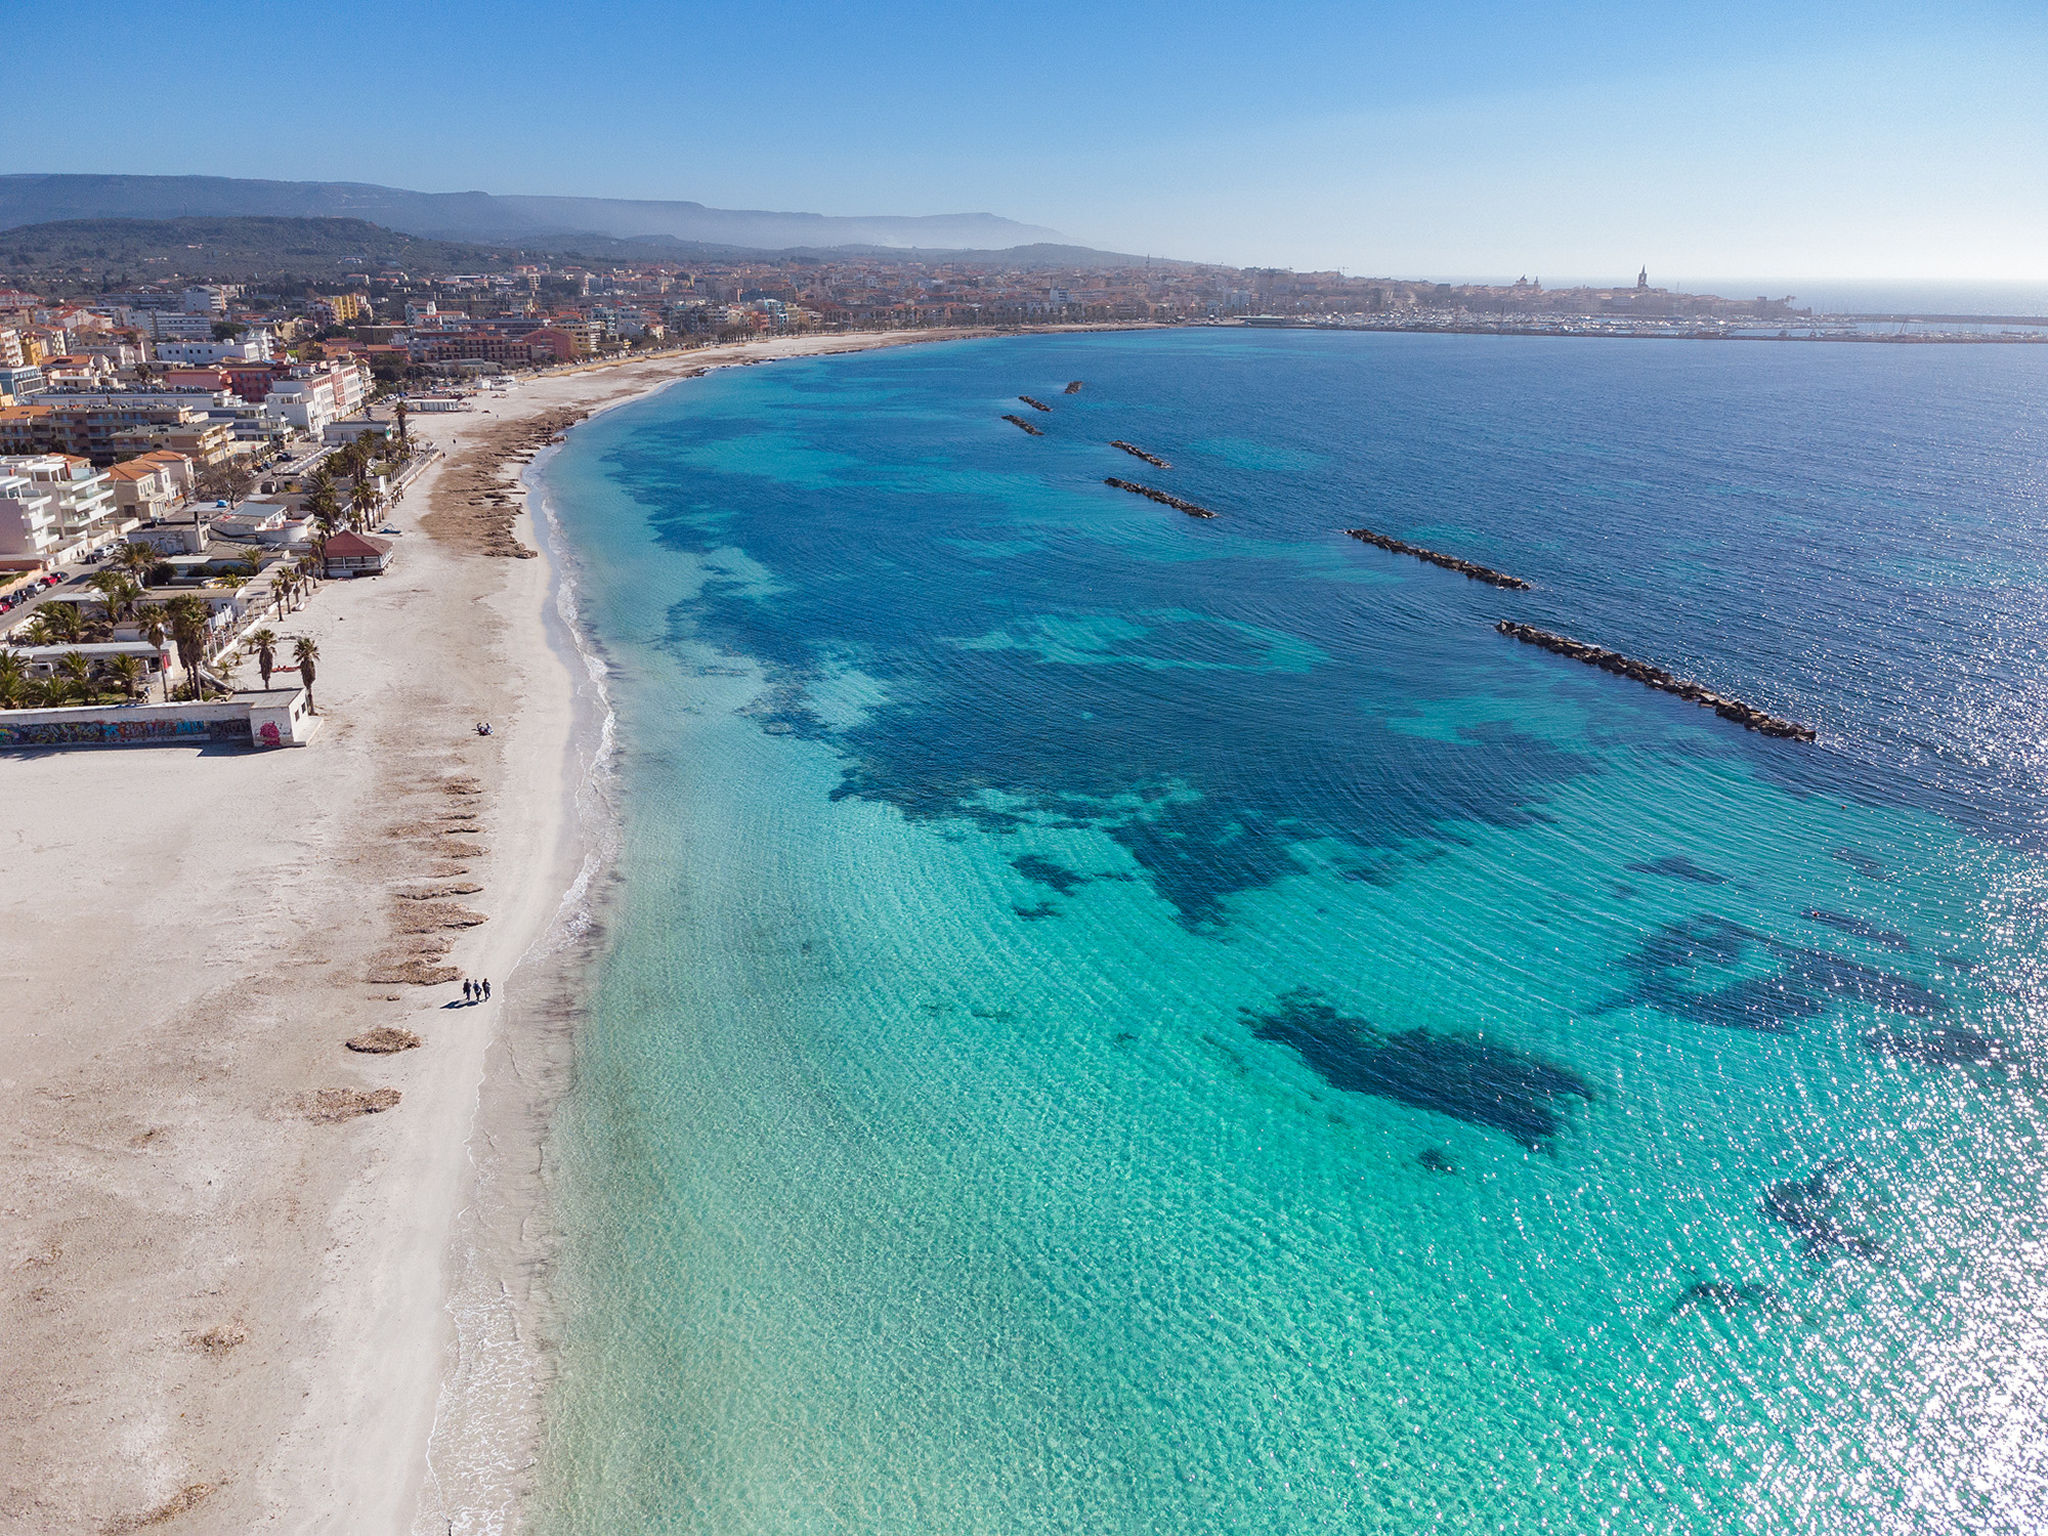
x=82, y=498
x=28, y=520
x=206, y=300
x=313, y=397
x=250, y=347
x=162, y=325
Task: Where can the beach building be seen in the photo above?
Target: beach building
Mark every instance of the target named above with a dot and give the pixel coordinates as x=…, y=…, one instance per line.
x=355, y=554
x=336, y=434
x=255, y=717
x=44, y=660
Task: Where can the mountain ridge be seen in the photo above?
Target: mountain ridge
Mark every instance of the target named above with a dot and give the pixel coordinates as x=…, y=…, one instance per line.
x=490, y=218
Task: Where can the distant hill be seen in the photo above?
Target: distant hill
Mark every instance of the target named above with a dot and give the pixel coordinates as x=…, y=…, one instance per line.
x=534, y=222
x=230, y=249
x=81, y=252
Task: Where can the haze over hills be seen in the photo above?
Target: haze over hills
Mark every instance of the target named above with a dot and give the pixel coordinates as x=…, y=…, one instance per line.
x=484, y=217
x=84, y=252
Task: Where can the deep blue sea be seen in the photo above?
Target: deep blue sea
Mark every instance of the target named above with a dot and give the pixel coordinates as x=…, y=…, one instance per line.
x=1117, y=1022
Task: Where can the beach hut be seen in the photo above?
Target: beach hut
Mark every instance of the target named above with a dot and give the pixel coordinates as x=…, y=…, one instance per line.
x=355, y=554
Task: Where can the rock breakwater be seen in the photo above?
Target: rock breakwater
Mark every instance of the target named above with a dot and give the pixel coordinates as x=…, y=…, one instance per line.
x=1746, y=715
x=1435, y=557
x=1019, y=421
x=1138, y=453
x=1073, y=388
x=1162, y=497
x=1036, y=405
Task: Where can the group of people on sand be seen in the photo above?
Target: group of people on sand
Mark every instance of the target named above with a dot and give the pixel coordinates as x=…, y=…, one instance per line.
x=476, y=991
x=483, y=727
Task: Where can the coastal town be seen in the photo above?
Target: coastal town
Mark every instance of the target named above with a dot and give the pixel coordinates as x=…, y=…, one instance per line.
x=184, y=460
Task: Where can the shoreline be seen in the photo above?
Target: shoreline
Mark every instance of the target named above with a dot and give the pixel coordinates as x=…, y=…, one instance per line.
x=237, y=1312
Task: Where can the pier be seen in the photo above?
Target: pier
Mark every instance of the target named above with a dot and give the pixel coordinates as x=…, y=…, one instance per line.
x=1448, y=562
x=1746, y=715
x=1036, y=405
x=1162, y=497
x=1019, y=421
x=1138, y=453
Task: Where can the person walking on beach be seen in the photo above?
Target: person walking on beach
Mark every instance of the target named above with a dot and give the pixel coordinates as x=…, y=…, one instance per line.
x=465, y=989
x=487, y=989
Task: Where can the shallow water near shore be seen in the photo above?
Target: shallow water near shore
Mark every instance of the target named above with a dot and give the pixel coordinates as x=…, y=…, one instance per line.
x=1116, y=1021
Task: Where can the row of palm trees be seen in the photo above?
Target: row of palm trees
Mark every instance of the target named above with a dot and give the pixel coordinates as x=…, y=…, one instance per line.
x=356, y=462
x=80, y=679
x=77, y=680
x=263, y=644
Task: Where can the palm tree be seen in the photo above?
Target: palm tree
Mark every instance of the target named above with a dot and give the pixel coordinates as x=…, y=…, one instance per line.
x=305, y=652
x=128, y=672
x=362, y=501
x=77, y=674
x=264, y=643
x=137, y=560
x=57, y=624
x=14, y=682
x=153, y=624
x=118, y=588
x=188, y=625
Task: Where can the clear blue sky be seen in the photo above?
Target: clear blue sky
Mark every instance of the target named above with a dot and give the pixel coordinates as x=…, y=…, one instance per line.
x=1458, y=138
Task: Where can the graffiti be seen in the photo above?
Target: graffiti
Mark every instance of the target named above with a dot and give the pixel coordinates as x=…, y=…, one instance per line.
x=114, y=733
x=269, y=734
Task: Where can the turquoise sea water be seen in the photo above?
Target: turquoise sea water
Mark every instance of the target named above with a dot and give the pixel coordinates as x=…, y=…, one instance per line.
x=1118, y=1022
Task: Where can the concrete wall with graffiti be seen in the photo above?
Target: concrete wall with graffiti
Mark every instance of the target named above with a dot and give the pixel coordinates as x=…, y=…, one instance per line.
x=277, y=718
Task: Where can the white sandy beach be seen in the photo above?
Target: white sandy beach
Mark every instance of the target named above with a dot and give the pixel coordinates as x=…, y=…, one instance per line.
x=227, y=1310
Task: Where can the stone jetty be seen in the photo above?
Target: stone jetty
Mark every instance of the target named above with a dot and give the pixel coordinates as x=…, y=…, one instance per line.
x=1138, y=453
x=1746, y=715
x=1448, y=562
x=1036, y=405
x=1162, y=497
x=1073, y=388
x=1019, y=421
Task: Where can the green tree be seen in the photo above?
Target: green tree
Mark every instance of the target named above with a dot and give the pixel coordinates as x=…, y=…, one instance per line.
x=138, y=560
x=129, y=673
x=264, y=643
x=188, y=624
x=56, y=624
x=120, y=591
x=154, y=625
x=14, y=680
x=306, y=652
x=76, y=671
x=362, y=501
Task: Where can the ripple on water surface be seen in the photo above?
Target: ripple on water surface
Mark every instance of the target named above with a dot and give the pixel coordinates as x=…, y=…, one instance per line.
x=1122, y=1022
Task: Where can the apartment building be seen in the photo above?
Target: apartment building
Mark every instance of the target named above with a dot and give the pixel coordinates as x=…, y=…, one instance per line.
x=82, y=497
x=28, y=520
x=250, y=347
x=146, y=488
